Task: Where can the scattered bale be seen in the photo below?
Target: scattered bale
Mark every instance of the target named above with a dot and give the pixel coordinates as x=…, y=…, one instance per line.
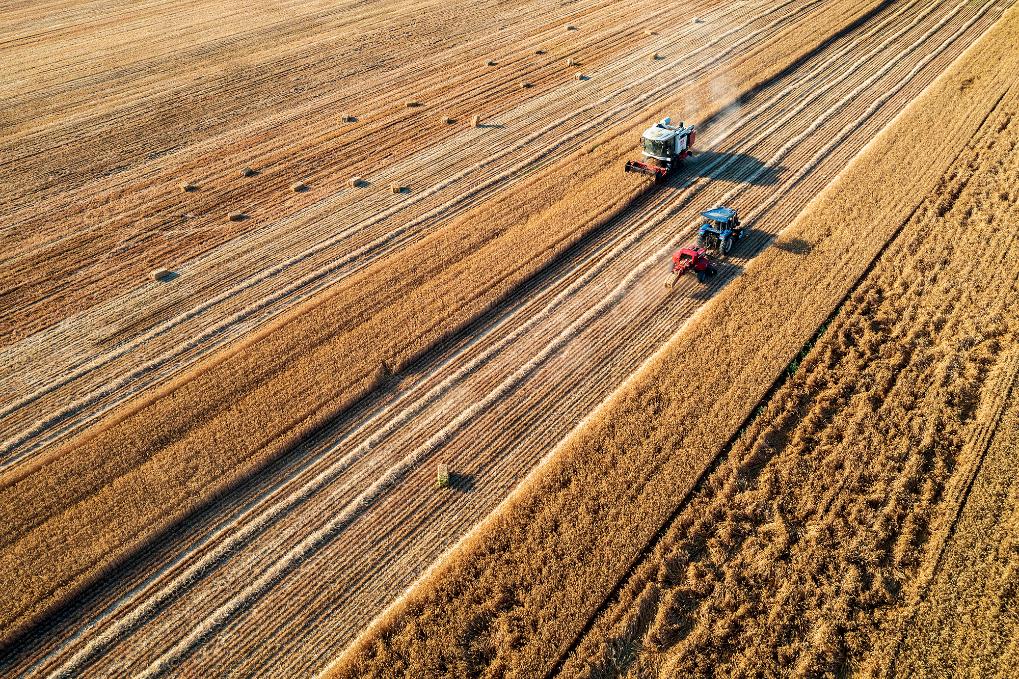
x=491, y=62
x=539, y=51
x=299, y=187
x=247, y=172
x=655, y=56
x=188, y=187
x=648, y=31
x=448, y=120
x=571, y=62
x=355, y=182
x=581, y=76
x=570, y=27
x=475, y=121
x=442, y=475
x=160, y=274
x=413, y=103
x=698, y=20
x=398, y=188
x=524, y=85
x=347, y=118
x=237, y=216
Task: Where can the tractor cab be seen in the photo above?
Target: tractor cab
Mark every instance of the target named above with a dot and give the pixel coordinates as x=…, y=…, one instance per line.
x=720, y=230
x=663, y=147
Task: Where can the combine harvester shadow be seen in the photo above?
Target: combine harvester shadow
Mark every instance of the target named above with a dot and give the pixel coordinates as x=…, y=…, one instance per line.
x=732, y=167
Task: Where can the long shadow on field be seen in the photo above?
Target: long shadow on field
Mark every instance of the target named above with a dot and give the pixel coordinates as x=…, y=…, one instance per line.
x=734, y=167
x=727, y=271
x=796, y=246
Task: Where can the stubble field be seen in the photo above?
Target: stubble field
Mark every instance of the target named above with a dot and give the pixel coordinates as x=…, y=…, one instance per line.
x=233, y=470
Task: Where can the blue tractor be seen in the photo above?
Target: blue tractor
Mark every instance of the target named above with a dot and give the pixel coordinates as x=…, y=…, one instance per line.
x=721, y=230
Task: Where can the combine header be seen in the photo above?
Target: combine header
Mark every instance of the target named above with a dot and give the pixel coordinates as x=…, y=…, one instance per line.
x=664, y=147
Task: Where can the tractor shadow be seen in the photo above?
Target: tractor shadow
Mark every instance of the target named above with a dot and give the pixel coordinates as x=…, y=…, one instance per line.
x=796, y=246
x=733, y=167
x=168, y=276
x=733, y=266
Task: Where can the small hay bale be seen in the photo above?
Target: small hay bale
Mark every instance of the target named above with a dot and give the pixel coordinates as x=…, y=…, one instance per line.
x=160, y=274
x=539, y=51
x=648, y=31
x=655, y=56
x=448, y=120
x=570, y=27
x=491, y=62
x=524, y=85
x=581, y=76
x=398, y=188
x=413, y=103
x=347, y=118
x=299, y=187
x=188, y=187
x=571, y=62
x=247, y=172
x=355, y=182
x=698, y=20
x=237, y=216
x=442, y=475
x=475, y=121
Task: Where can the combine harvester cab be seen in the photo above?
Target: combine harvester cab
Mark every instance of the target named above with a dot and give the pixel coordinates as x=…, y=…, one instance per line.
x=721, y=230
x=664, y=147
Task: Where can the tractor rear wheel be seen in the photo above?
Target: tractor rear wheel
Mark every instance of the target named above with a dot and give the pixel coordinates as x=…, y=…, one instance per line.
x=701, y=277
x=712, y=271
x=725, y=245
x=702, y=241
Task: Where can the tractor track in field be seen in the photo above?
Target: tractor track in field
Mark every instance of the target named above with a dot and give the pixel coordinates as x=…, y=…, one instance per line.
x=355, y=507
x=87, y=372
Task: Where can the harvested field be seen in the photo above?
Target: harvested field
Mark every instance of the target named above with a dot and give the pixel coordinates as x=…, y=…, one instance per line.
x=245, y=456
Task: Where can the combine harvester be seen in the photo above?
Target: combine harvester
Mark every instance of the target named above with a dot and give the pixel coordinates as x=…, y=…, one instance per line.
x=664, y=147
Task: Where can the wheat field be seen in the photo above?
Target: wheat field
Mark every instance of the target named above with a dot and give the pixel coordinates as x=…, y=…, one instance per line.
x=252, y=297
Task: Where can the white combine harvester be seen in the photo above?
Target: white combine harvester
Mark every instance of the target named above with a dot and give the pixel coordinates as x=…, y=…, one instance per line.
x=664, y=147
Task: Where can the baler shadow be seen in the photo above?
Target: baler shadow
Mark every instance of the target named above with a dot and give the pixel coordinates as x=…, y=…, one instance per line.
x=727, y=272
